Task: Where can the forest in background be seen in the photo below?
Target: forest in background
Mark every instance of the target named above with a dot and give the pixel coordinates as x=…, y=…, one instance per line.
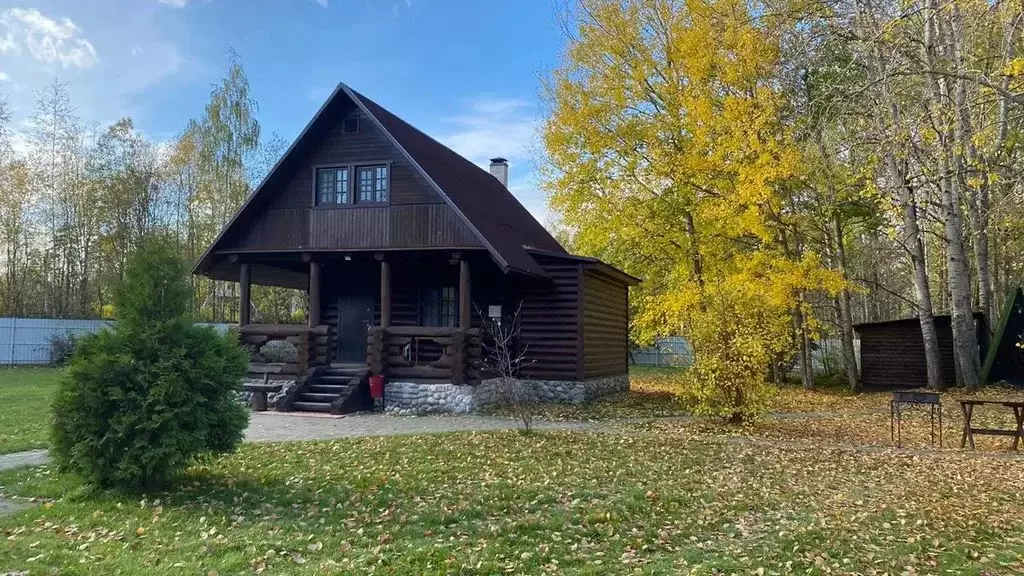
x=778, y=171
x=76, y=200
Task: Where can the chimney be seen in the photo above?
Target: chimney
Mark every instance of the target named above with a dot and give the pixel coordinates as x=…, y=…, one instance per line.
x=499, y=169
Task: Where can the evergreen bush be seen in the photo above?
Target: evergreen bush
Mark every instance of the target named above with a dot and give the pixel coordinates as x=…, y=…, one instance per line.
x=140, y=402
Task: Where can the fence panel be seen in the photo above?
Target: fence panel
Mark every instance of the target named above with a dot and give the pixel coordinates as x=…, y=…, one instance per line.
x=27, y=340
x=666, y=352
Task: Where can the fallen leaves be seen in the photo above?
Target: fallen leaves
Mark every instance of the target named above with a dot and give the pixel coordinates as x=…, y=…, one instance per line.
x=808, y=494
x=674, y=498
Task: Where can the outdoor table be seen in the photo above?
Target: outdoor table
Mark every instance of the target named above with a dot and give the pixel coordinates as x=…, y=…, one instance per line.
x=967, y=407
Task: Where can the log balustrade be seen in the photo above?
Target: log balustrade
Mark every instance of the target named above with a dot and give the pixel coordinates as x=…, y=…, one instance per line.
x=425, y=353
x=311, y=344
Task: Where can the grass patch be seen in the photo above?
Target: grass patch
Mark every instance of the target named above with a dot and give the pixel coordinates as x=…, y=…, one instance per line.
x=25, y=397
x=679, y=501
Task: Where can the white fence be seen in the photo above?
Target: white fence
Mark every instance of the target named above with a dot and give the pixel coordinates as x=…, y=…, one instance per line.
x=27, y=340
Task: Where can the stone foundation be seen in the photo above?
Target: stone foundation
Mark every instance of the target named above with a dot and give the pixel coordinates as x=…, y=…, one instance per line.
x=409, y=398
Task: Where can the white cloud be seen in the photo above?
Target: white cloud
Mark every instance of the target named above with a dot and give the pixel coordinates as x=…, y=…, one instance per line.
x=396, y=9
x=321, y=2
x=175, y=3
x=27, y=30
x=491, y=126
x=4, y=77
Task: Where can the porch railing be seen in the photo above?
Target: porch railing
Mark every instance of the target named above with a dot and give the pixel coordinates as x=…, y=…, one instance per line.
x=425, y=353
x=311, y=345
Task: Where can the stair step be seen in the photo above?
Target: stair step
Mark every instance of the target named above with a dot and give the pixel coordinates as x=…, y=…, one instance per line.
x=327, y=389
x=311, y=406
x=347, y=366
x=317, y=397
x=337, y=379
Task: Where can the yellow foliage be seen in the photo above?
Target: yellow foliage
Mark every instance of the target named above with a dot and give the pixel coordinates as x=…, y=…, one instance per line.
x=669, y=112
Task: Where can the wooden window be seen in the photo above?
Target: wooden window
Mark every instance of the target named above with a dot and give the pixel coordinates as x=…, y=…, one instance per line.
x=372, y=183
x=439, y=306
x=332, y=185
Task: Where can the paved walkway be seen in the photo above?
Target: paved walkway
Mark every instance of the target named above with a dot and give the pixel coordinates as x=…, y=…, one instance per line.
x=277, y=427
x=28, y=458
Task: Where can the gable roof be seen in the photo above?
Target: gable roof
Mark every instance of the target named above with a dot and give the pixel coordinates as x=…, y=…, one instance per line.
x=497, y=218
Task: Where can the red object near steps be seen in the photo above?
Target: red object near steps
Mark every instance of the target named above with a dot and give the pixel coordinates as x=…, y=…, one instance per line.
x=377, y=386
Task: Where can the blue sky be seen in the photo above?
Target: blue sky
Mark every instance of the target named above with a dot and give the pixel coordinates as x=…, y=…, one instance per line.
x=467, y=72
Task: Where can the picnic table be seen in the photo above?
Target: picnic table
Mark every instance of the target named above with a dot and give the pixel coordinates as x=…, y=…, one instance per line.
x=967, y=407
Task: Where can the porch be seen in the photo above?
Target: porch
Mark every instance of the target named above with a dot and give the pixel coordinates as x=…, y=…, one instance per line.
x=406, y=316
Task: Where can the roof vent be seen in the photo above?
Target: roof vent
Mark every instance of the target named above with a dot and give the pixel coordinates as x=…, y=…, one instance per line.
x=499, y=169
x=350, y=125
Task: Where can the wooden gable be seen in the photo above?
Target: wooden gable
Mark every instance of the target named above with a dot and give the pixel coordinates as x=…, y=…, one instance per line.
x=289, y=219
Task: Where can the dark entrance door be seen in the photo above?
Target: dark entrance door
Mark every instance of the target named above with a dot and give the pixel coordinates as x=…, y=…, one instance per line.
x=355, y=315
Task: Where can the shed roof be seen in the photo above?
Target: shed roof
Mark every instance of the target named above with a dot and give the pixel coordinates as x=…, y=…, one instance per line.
x=914, y=320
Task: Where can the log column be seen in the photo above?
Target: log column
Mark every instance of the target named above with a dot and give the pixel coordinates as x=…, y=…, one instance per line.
x=244, y=301
x=465, y=319
x=314, y=294
x=385, y=293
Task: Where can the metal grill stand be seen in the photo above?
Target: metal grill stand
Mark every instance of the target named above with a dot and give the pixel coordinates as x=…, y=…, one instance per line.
x=904, y=399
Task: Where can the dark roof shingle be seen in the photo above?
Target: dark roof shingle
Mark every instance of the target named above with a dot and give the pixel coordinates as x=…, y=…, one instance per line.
x=506, y=226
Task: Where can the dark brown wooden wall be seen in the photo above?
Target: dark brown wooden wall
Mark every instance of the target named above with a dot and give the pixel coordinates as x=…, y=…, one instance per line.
x=368, y=145
x=415, y=217
x=408, y=226
x=574, y=325
x=605, y=326
x=892, y=353
x=551, y=329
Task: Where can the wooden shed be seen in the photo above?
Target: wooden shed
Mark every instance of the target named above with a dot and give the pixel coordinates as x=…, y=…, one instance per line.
x=892, y=352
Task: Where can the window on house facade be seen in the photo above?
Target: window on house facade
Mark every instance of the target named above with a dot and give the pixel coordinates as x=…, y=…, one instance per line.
x=372, y=183
x=439, y=306
x=332, y=185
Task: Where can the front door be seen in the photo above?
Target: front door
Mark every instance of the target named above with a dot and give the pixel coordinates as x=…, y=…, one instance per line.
x=355, y=315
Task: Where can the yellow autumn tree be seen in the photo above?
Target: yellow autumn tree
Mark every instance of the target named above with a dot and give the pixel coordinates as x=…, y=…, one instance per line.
x=668, y=157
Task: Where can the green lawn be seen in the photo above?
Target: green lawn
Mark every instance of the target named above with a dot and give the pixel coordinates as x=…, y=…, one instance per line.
x=679, y=501
x=25, y=395
x=808, y=496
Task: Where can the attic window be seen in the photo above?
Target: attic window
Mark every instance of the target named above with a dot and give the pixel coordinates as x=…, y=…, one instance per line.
x=350, y=125
x=372, y=184
x=332, y=185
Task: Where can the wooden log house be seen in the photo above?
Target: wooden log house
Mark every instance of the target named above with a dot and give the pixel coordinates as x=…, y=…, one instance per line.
x=403, y=247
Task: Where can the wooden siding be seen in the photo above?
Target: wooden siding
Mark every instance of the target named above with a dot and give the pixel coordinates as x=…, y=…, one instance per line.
x=605, y=326
x=551, y=322
x=415, y=217
x=335, y=147
x=277, y=229
x=574, y=325
x=409, y=226
x=892, y=353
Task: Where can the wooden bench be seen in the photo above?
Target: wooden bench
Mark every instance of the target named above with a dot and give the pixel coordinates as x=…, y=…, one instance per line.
x=967, y=407
x=260, y=391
